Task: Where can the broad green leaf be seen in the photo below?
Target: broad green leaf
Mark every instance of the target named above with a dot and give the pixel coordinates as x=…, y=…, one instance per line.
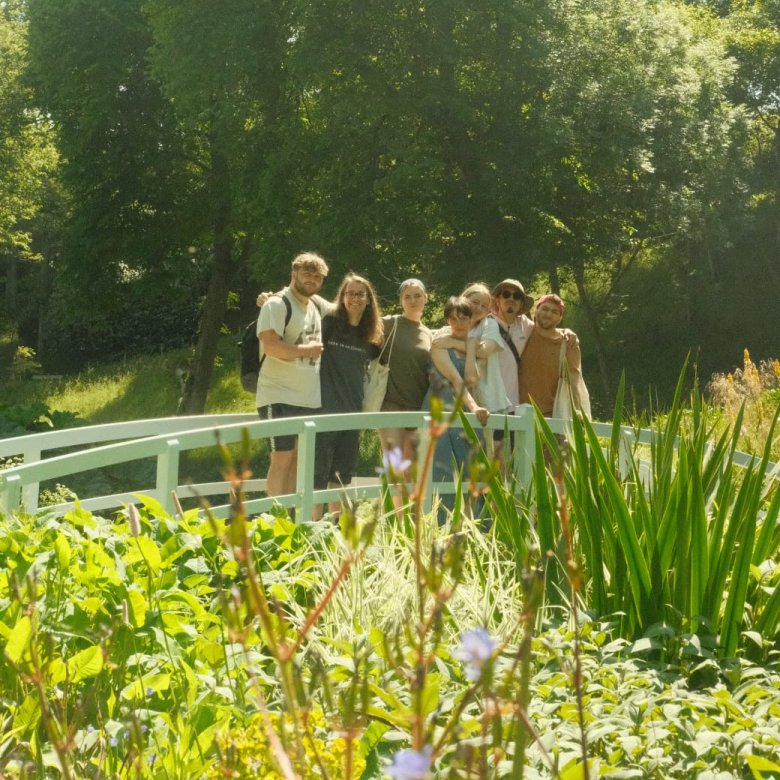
x=63, y=551
x=574, y=770
x=56, y=671
x=85, y=664
x=27, y=716
x=137, y=608
x=137, y=690
x=142, y=548
x=18, y=639
x=152, y=505
x=758, y=765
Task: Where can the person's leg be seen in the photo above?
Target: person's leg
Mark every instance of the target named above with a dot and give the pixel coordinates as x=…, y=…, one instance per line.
x=282, y=470
x=409, y=444
x=391, y=438
x=346, y=445
x=282, y=473
x=323, y=466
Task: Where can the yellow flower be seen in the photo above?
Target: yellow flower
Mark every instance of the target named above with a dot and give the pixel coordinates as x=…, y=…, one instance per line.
x=244, y=753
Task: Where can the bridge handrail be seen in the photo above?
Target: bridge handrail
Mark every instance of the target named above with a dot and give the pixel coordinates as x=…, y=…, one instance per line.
x=116, y=431
x=132, y=441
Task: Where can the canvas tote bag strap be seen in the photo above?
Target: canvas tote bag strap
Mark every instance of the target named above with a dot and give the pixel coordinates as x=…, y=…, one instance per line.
x=563, y=366
x=389, y=342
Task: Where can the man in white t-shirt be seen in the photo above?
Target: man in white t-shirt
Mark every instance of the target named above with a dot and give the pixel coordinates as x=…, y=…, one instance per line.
x=288, y=383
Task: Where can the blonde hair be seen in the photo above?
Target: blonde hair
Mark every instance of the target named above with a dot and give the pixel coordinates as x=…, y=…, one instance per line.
x=478, y=288
x=309, y=261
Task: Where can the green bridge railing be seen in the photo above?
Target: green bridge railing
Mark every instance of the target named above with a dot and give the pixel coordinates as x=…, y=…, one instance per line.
x=165, y=439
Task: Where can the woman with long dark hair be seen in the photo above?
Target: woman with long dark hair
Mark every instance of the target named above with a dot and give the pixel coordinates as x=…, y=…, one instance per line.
x=351, y=337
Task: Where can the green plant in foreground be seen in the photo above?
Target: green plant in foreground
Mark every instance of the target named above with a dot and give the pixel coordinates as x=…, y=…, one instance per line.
x=672, y=543
x=155, y=646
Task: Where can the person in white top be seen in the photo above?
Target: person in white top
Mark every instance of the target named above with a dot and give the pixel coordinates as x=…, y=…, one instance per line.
x=483, y=348
x=288, y=383
x=511, y=307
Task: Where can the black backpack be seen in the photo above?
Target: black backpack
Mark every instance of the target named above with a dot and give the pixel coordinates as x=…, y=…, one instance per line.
x=249, y=345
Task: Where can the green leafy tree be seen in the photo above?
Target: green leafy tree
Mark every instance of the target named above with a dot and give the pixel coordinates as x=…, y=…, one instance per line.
x=28, y=155
x=131, y=238
x=639, y=140
x=224, y=77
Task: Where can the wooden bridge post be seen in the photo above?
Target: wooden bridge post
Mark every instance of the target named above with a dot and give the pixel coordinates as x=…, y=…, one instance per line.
x=10, y=493
x=305, y=477
x=525, y=445
x=168, y=474
x=31, y=492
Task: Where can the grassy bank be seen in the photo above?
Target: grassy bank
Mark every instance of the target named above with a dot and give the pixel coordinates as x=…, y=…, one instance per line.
x=132, y=389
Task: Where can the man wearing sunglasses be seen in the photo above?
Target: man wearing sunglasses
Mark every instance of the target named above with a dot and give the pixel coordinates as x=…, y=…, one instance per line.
x=511, y=306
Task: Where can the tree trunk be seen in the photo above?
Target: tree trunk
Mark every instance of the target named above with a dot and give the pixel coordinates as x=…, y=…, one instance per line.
x=554, y=279
x=11, y=284
x=198, y=380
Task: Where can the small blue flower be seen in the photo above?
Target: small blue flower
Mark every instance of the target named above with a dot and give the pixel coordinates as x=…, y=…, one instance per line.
x=151, y=758
x=394, y=464
x=113, y=741
x=90, y=728
x=411, y=764
x=476, y=650
x=149, y=691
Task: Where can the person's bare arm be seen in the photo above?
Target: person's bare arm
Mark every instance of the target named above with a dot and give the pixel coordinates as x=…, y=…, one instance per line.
x=444, y=365
x=486, y=348
x=444, y=340
x=275, y=347
x=471, y=370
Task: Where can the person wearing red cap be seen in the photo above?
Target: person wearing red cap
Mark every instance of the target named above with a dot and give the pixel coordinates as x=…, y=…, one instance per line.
x=540, y=367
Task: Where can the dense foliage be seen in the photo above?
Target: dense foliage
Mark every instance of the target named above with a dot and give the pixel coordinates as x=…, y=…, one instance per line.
x=174, y=646
x=623, y=152
x=134, y=655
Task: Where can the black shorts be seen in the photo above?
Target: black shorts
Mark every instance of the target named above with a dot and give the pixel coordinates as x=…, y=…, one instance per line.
x=276, y=411
x=335, y=459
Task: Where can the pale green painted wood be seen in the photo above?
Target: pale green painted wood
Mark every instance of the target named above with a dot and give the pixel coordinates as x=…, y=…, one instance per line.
x=166, y=438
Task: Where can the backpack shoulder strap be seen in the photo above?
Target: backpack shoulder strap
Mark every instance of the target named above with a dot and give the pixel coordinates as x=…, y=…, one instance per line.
x=287, y=309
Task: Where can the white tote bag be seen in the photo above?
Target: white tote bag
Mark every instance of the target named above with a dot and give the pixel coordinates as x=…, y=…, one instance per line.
x=564, y=406
x=376, y=375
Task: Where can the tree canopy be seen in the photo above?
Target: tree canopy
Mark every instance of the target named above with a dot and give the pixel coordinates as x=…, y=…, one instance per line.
x=614, y=151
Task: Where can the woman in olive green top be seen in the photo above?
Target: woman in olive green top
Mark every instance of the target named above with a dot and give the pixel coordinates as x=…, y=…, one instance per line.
x=409, y=346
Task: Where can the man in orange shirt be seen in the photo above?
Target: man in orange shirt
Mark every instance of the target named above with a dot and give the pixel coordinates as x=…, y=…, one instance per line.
x=540, y=365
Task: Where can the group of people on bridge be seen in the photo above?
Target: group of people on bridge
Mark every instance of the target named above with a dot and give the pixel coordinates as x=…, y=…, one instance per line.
x=491, y=354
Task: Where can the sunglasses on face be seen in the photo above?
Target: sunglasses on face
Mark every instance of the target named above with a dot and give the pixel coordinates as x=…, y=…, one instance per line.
x=518, y=296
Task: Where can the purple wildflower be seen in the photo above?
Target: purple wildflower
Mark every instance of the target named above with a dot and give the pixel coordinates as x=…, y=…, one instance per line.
x=411, y=764
x=113, y=741
x=476, y=650
x=149, y=691
x=394, y=464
